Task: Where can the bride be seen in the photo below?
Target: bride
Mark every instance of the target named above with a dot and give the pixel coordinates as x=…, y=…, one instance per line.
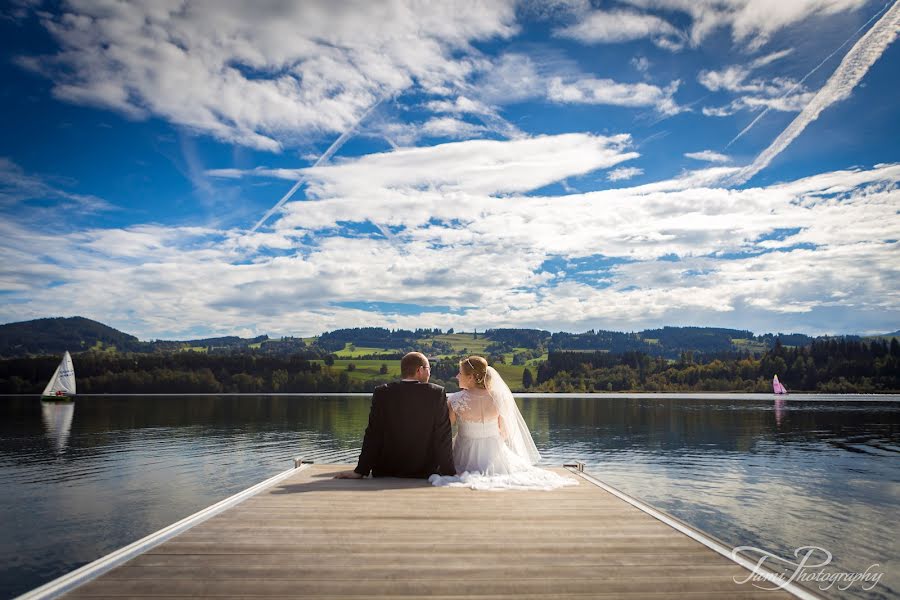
x=493, y=448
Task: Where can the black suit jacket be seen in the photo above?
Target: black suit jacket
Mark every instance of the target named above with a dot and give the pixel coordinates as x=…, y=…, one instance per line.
x=408, y=433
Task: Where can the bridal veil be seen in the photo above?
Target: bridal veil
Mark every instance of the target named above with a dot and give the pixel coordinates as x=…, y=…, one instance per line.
x=515, y=431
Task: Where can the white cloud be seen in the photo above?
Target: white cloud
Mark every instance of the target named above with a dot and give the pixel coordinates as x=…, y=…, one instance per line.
x=708, y=156
x=486, y=167
x=778, y=93
x=511, y=78
x=408, y=134
x=476, y=166
x=790, y=103
x=263, y=75
x=718, y=111
x=641, y=64
x=838, y=232
x=615, y=26
x=451, y=128
x=624, y=173
x=607, y=91
x=730, y=78
x=752, y=22
x=460, y=106
x=768, y=59
x=516, y=78
x=489, y=115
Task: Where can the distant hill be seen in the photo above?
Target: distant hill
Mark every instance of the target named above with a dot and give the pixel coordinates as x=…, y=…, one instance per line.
x=56, y=335
x=77, y=334
x=667, y=342
x=229, y=341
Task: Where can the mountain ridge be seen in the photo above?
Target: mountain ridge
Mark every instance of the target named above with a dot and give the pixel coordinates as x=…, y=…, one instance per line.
x=54, y=335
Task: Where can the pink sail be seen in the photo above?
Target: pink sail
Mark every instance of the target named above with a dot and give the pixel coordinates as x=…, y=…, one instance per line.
x=777, y=387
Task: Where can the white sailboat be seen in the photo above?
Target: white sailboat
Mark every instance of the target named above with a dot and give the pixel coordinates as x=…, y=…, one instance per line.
x=62, y=385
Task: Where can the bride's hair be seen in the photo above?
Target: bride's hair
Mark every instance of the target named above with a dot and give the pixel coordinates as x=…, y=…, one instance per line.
x=476, y=366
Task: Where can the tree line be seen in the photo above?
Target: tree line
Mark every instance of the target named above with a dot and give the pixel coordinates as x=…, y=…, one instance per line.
x=826, y=365
x=836, y=365
x=180, y=372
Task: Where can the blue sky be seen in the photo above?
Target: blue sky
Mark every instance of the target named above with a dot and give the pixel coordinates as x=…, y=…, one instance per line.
x=564, y=165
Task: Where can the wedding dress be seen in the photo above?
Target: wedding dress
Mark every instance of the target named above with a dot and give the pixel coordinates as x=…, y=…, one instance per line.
x=493, y=448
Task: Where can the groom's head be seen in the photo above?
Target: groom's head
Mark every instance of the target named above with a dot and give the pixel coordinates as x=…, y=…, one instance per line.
x=415, y=366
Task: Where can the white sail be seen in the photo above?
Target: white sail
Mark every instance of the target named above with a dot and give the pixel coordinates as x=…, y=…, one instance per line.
x=63, y=379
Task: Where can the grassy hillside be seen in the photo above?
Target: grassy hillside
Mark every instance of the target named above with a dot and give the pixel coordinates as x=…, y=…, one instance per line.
x=463, y=343
x=56, y=335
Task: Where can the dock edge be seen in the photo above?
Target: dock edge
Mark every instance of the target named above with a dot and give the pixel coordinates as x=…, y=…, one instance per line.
x=68, y=582
x=718, y=546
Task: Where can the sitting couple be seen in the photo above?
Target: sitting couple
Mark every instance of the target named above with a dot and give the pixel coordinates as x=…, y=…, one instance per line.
x=410, y=427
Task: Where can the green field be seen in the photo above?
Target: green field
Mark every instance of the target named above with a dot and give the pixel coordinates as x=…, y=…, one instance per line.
x=101, y=347
x=365, y=369
x=749, y=345
x=462, y=343
x=351, y=351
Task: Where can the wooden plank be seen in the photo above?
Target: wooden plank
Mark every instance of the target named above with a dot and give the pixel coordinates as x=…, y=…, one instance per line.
x=313, y=536
x=661, y=558
x=755, y=594
x=379, y=585
x=458, y=567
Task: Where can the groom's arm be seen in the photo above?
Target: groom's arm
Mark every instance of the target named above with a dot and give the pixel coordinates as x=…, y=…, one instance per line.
x=372, y=440
x=441, y=439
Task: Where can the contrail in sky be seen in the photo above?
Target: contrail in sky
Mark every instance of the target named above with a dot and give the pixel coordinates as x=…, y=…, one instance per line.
x=839, y=86
x=334, y=147
x=805, y=77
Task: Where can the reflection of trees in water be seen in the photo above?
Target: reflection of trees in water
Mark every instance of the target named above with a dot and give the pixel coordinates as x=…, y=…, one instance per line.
x=342, y=417
x=672, y=424
x=105, y=423
x=595, y=424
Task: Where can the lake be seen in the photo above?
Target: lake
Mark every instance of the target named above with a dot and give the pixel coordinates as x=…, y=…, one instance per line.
x=82, y=480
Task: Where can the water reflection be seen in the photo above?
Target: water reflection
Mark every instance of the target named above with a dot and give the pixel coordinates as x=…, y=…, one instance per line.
x=776, y=474
x=57, y=418
x=780, y=405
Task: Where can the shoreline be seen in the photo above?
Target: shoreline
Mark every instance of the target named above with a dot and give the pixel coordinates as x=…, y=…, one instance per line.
x=798, y=397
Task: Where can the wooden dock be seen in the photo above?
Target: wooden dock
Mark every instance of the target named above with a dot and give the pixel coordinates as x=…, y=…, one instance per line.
x=308, y=535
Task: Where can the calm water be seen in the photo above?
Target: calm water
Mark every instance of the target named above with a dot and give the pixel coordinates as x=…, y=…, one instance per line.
x=83, y=480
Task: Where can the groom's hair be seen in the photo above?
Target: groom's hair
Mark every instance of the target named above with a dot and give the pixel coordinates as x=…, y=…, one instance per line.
x=410, y=363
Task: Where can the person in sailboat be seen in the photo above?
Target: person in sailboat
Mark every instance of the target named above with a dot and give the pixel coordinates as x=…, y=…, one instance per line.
x=493, y=448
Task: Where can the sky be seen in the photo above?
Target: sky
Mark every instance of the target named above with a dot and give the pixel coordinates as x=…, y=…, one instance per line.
x=181, y=169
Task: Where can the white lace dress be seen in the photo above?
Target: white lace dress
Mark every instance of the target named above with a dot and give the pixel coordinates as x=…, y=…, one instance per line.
x=482, y=458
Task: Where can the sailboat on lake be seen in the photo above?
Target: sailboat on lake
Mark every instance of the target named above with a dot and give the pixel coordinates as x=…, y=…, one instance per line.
x=777, y=387
x=61, y=387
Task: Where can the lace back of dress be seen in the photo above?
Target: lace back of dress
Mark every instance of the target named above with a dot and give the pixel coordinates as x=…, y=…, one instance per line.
x=475, y=407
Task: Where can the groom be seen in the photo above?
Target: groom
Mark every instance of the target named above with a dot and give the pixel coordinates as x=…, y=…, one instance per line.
x=409, y=427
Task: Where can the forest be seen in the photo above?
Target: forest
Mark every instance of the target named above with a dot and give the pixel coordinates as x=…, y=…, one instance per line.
x=837, y=365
